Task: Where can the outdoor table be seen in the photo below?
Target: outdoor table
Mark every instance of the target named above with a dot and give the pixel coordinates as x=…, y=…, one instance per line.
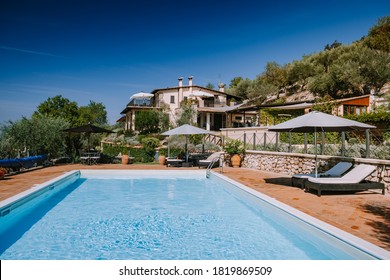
x=89, y=157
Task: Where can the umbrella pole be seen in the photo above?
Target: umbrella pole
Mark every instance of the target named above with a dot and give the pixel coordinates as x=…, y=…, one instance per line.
x=186, y=148
x=315, y=153
x=89, y=141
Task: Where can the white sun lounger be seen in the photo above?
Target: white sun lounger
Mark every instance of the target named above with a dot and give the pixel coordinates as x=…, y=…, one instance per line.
x=336, y=171
x=212, y=157
x=354, y=180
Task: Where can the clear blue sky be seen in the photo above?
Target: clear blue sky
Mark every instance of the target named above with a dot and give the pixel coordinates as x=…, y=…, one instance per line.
x=106, y=51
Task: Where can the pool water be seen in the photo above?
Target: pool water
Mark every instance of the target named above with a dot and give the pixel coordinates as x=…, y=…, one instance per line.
x=181, y=218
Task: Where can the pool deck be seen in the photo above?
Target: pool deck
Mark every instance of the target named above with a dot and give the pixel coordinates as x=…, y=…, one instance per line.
x=364, y=214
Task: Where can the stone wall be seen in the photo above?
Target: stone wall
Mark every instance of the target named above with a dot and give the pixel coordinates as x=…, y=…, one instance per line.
x=291, y=163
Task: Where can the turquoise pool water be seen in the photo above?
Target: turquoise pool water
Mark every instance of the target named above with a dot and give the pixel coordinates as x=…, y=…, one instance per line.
x=156, y=215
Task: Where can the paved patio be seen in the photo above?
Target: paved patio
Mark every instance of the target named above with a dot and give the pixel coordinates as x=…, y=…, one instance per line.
x=364, y=214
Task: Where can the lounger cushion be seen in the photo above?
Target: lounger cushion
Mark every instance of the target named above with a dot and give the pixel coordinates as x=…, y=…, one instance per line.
x=206, y=162
x=212, y=156
x=356, y=175
x=336, y=171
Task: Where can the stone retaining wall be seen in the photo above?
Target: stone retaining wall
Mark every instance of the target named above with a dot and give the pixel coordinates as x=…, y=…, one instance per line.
x=291, y=163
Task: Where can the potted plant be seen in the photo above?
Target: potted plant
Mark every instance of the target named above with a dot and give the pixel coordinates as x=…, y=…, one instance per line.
x=125, y=159
x=234, y=148
x=162, y=156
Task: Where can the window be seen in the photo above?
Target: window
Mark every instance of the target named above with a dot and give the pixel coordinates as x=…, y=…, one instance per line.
x=172, y=99
x=354, y=110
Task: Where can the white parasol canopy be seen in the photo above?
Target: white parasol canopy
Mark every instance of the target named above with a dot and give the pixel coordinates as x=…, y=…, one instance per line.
x=141, y=95
x=185, y=129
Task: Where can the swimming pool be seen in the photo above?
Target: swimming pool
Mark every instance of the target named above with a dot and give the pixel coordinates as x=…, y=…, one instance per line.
x=102, y=214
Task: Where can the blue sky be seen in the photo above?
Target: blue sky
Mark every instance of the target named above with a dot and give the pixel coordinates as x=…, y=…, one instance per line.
x=106, y=51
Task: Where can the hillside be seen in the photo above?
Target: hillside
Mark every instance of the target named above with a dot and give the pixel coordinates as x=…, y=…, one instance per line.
x=339, y=71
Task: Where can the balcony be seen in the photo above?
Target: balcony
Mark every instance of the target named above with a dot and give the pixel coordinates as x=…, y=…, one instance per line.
x=141, y=103
x=214, y=103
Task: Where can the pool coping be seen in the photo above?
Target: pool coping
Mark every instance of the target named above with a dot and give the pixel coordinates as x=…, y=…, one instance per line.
x=13, y=202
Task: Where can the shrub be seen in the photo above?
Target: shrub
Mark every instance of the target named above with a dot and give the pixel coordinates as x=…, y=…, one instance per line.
x=234, y=147
x=139, y=154
x=149, y=145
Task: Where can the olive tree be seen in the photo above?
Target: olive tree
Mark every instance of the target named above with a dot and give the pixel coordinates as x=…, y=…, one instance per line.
x=38, y=135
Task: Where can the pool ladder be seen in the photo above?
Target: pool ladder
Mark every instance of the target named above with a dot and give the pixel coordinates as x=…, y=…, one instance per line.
x=208, y=169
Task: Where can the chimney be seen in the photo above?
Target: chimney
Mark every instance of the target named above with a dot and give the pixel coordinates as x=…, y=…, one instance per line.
x=190, y=81
x=221, y=87
x=180, y=82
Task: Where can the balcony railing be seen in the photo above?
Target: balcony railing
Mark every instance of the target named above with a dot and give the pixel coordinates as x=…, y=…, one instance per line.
x=141, y=102
x=214, y=103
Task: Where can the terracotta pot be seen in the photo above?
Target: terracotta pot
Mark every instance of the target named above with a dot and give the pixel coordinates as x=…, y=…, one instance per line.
x=125, y=159
x=161, y=160
x=235, y=160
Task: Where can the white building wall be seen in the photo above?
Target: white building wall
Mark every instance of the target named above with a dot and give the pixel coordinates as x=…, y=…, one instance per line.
x=180, y=93
x=177, y=95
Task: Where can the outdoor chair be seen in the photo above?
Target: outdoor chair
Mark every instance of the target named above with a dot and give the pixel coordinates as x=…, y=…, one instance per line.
x=354, y=180
x=336, y=171
x=94, y=157
x=212, y=158
x=84, y=158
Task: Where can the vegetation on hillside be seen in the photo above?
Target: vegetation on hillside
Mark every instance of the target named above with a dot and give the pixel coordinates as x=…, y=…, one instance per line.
x=338, y=71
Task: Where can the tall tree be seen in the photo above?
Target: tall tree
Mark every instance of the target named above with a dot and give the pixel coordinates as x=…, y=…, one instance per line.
x=260, y=89
x=300, y=72
x=242, y=88
x=59, y=107
x=186, y=114
x=235, y=81
x=39, y=135
x=374, y=68
x=94, y=113
x=379, y=35
x=147, y=121
x=210, y=86
x=276, y=75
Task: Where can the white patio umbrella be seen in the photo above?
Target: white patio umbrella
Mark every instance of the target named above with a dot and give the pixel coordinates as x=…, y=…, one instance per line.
x=186, y=130
x=141, y=95
x=319, y=122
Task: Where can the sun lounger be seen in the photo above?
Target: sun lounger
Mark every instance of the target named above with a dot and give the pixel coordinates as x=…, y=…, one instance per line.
x=336, y=171
x=174, y=162
x=212, y=158
x=354, y=180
